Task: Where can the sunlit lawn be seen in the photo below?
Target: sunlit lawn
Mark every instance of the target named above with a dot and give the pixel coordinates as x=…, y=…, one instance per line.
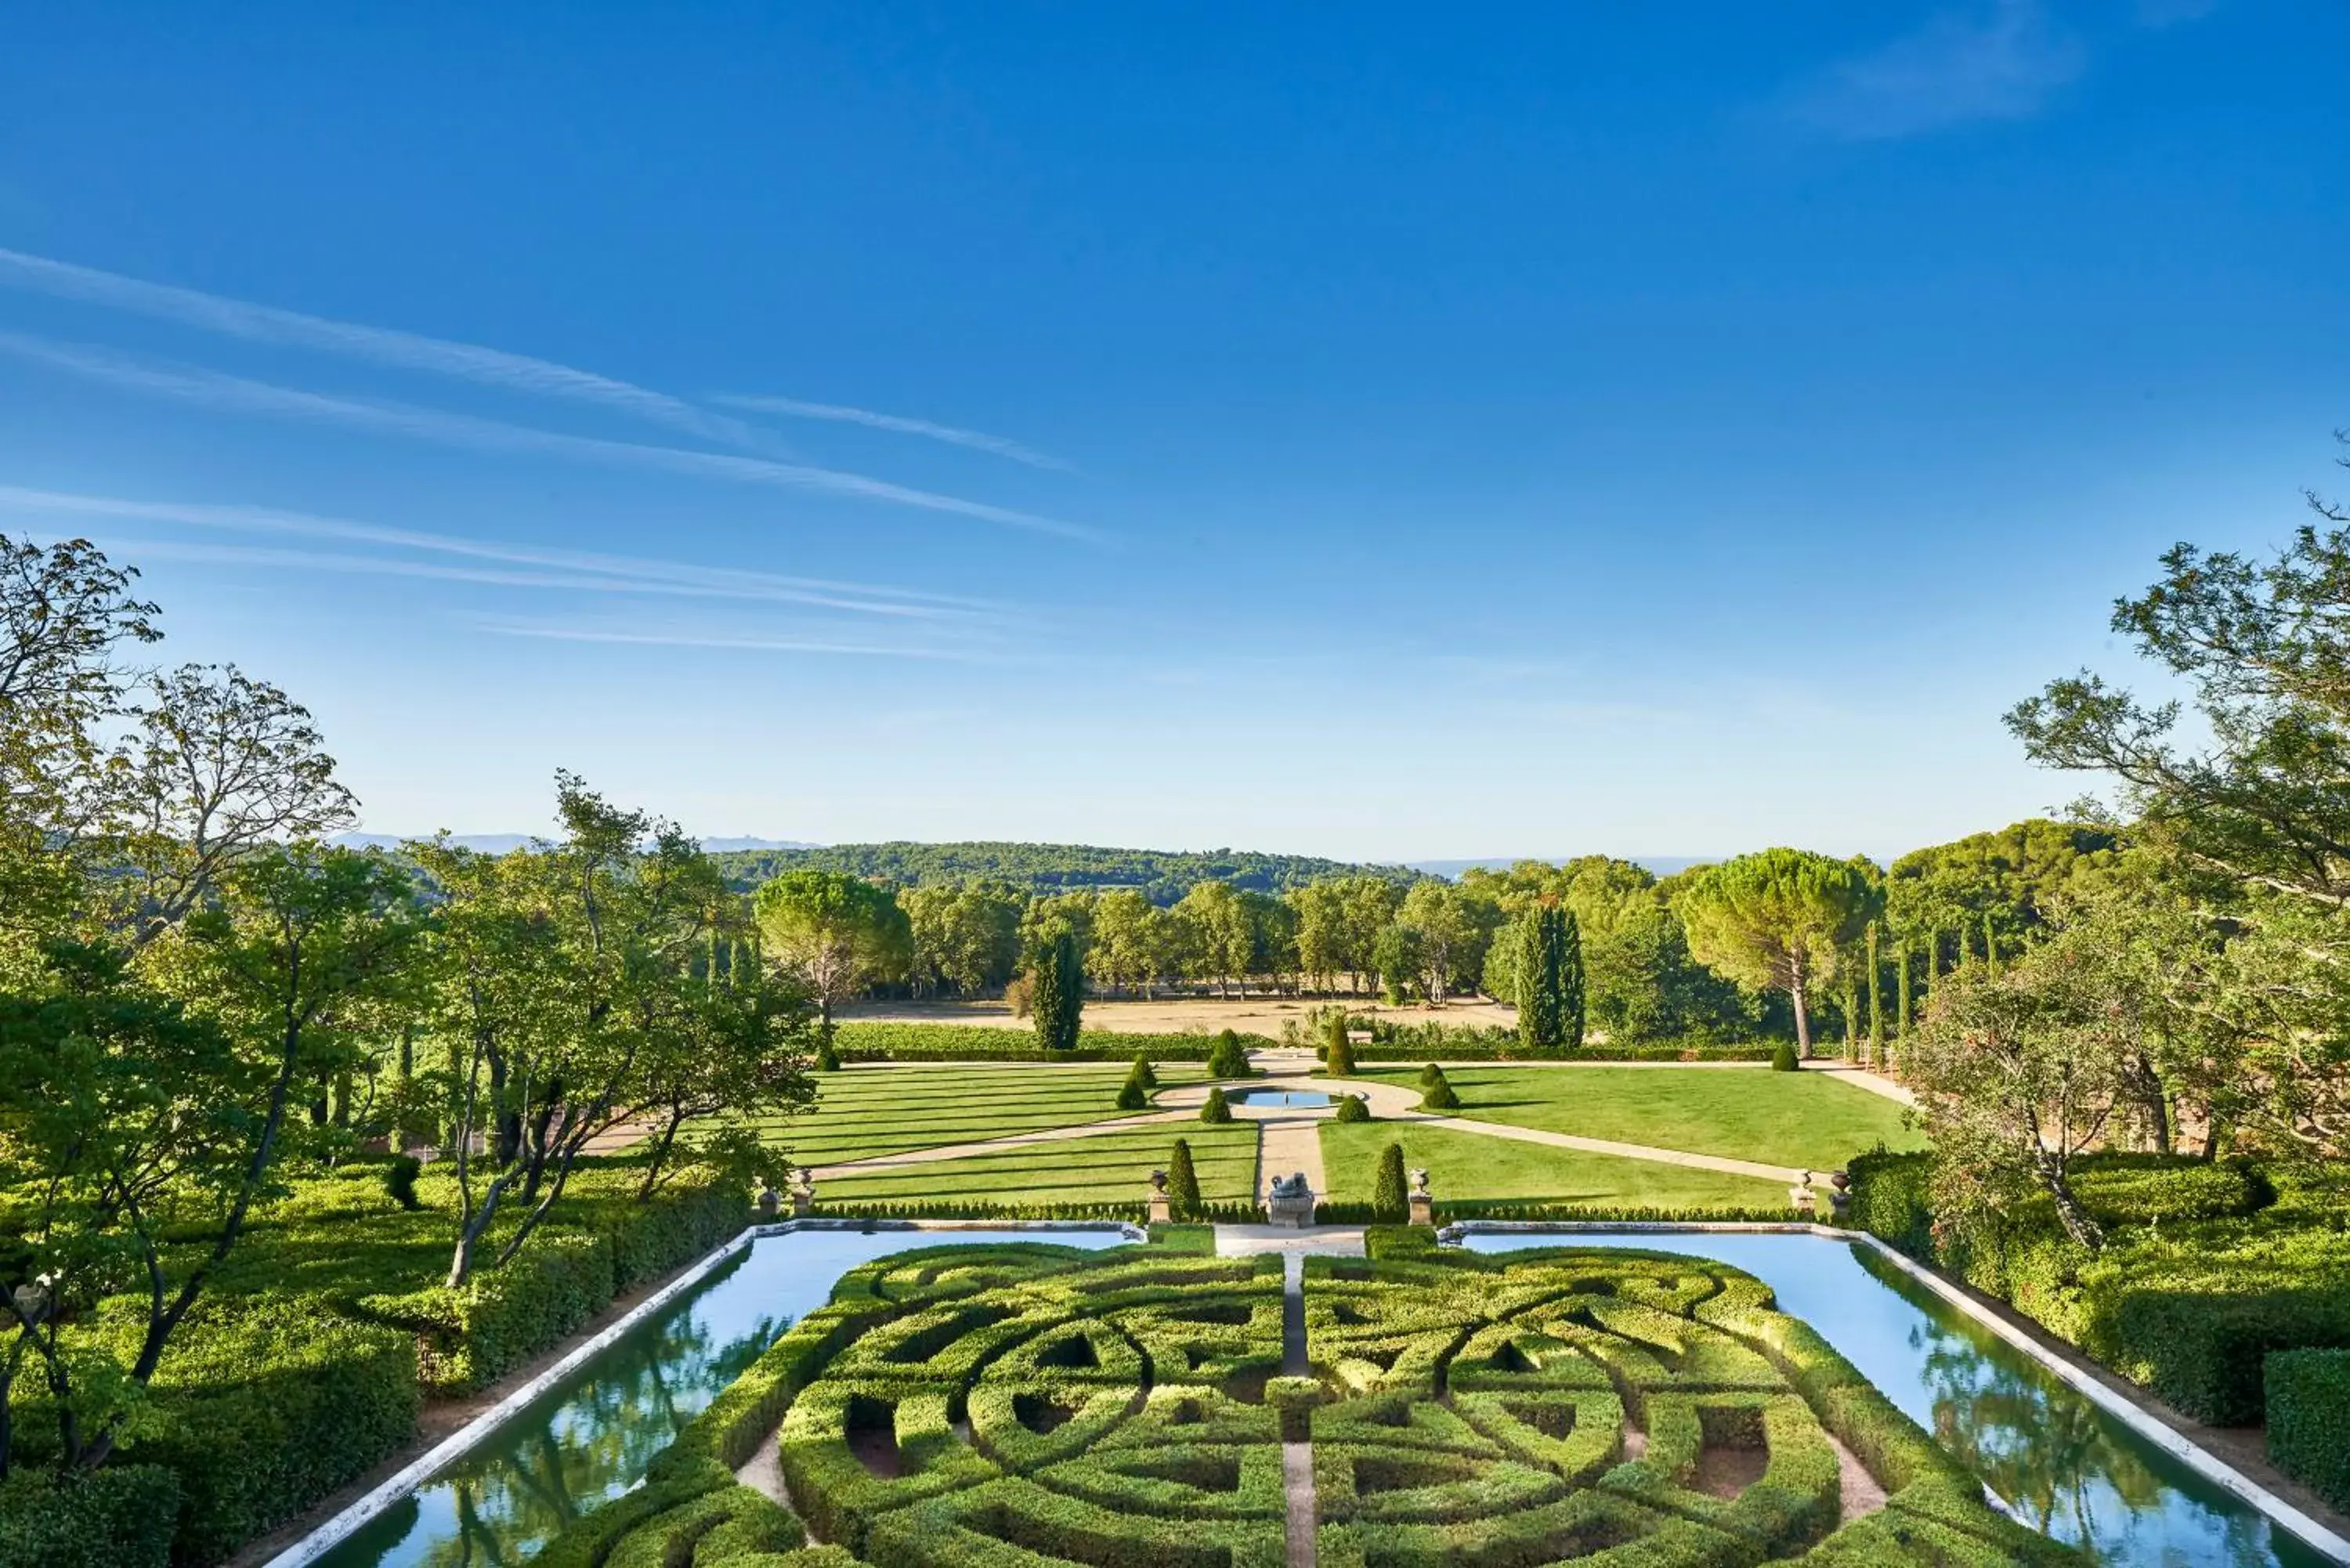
x=1108, y=1168
x=866, y=1111
x=1746, y=1113
x=1469, y=1166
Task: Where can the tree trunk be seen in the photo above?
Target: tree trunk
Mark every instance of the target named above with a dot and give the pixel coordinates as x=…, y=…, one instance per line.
x=1803, y=1015
x=2069, y=1212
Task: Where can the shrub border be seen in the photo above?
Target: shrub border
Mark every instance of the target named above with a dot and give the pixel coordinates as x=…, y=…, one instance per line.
x=348, y=1520
x=2081, y=1381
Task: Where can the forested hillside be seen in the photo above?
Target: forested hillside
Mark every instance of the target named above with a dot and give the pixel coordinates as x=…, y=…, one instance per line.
x=1163, y=876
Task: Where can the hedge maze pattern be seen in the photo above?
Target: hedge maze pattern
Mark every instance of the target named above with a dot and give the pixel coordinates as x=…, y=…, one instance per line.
x=1023, y=1406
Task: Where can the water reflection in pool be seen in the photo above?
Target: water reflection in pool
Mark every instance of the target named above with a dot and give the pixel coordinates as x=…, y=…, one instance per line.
x=2059, y=1462
x=593, y=1436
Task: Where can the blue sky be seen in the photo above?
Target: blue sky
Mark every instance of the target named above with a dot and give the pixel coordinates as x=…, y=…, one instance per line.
x=1382, y=432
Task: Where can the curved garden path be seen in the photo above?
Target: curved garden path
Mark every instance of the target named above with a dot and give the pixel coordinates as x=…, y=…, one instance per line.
x=1289, y=1138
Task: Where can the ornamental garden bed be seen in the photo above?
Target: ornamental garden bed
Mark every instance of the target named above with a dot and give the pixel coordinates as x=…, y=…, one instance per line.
x=1020, y=1404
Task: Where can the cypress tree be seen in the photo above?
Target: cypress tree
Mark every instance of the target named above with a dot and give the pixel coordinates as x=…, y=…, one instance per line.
x=1901, y=989
x=1991, y=947
x=1143, y=1070
x=1875, y=999
x=1542, y=952
x=1570, y=984
x=1215, y=1109
x=1182, y=1183
x=1437, y=1094
x=1851, y=1000
x=1132, y=1095
x=710, y=961
x=1058, y=998
x=1390, y=1195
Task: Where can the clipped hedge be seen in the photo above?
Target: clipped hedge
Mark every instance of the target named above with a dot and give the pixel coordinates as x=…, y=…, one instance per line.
x=2208, y=1267
x=121, y=1516
x=981, y=1043
x=501, y=1317
x=2309, y=1420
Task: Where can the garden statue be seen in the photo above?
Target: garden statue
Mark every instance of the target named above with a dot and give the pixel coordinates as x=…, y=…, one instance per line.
x=769, y=1200
x=803, y=1193
x=1423, y=1202
x=1839, y=1192
x=1290, y=1200
x=1161, y=1210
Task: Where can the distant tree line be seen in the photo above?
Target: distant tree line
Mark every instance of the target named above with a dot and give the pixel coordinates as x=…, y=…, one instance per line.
x=1163, y=876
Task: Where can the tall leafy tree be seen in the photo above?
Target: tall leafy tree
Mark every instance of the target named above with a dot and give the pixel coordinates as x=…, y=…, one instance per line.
x=1779, y=919
x=1573, y=986
x=835, y=933
x=1218, y=935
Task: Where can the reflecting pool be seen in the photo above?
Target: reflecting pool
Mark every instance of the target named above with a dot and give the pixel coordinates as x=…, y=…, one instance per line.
x=592, y=1437
x=2057, y=1461
x=1293, y=1099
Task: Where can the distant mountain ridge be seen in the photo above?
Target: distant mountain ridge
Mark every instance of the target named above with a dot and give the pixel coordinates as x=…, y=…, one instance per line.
x=1661, y=864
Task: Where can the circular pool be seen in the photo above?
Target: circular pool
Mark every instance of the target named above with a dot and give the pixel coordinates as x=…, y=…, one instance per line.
x=1286, y=1099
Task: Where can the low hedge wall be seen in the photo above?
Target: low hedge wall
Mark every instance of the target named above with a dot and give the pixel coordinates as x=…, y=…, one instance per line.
x=982, y=1042
x=2208, y=1268
x=2309, y=1420
x=121, y=1516
x=502, y=1317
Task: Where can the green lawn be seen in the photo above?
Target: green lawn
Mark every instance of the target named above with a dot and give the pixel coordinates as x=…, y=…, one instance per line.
x=1746, y=1113
x=1468, y=1165
x=1110, y=1168
x=866, y=1111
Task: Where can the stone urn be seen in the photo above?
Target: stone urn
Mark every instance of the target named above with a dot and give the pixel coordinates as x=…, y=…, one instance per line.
x=1423, y=1202
x=1159, y=1210
x=1800, y=1195
x=804, y=1196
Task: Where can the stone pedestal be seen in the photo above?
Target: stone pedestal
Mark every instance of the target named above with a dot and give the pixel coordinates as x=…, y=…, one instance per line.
x=1800, y=1195
x=1157, y=1209
x=1290, y=1201
x=1423, y=1201
x=804, y=1196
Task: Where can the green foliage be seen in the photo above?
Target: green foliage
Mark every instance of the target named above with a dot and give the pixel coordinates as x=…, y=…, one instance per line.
x=1437, y=1093
x=2308, y=1406
x=1215, y=1108
x=399, y=1174
x=1338, y=1052
x=1133, y=1095
x=1352, y=1108
x=2187, y=1306
x=1229, y=1059
x=1783, y=1058
x=1391, y=1191
x=1541, y=980
x=1142, y=1070
x=120, y=1517
x=267, y=1406
x=1058, y=993
x=837, y=933
x=1162, y=875
x=1778, y=921
x=1182, y=1182
x=827, y=1052
x=980, y=1043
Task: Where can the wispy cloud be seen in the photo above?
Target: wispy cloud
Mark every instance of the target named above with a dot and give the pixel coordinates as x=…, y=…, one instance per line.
x=552, y=633
x=979, y=441
x=508, y=565
x=2002, y=63
x=379, y=344
x=213, y=390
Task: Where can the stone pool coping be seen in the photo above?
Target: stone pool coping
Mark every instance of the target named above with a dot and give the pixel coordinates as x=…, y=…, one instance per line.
x=2310, y=1531
x=410, y=1477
